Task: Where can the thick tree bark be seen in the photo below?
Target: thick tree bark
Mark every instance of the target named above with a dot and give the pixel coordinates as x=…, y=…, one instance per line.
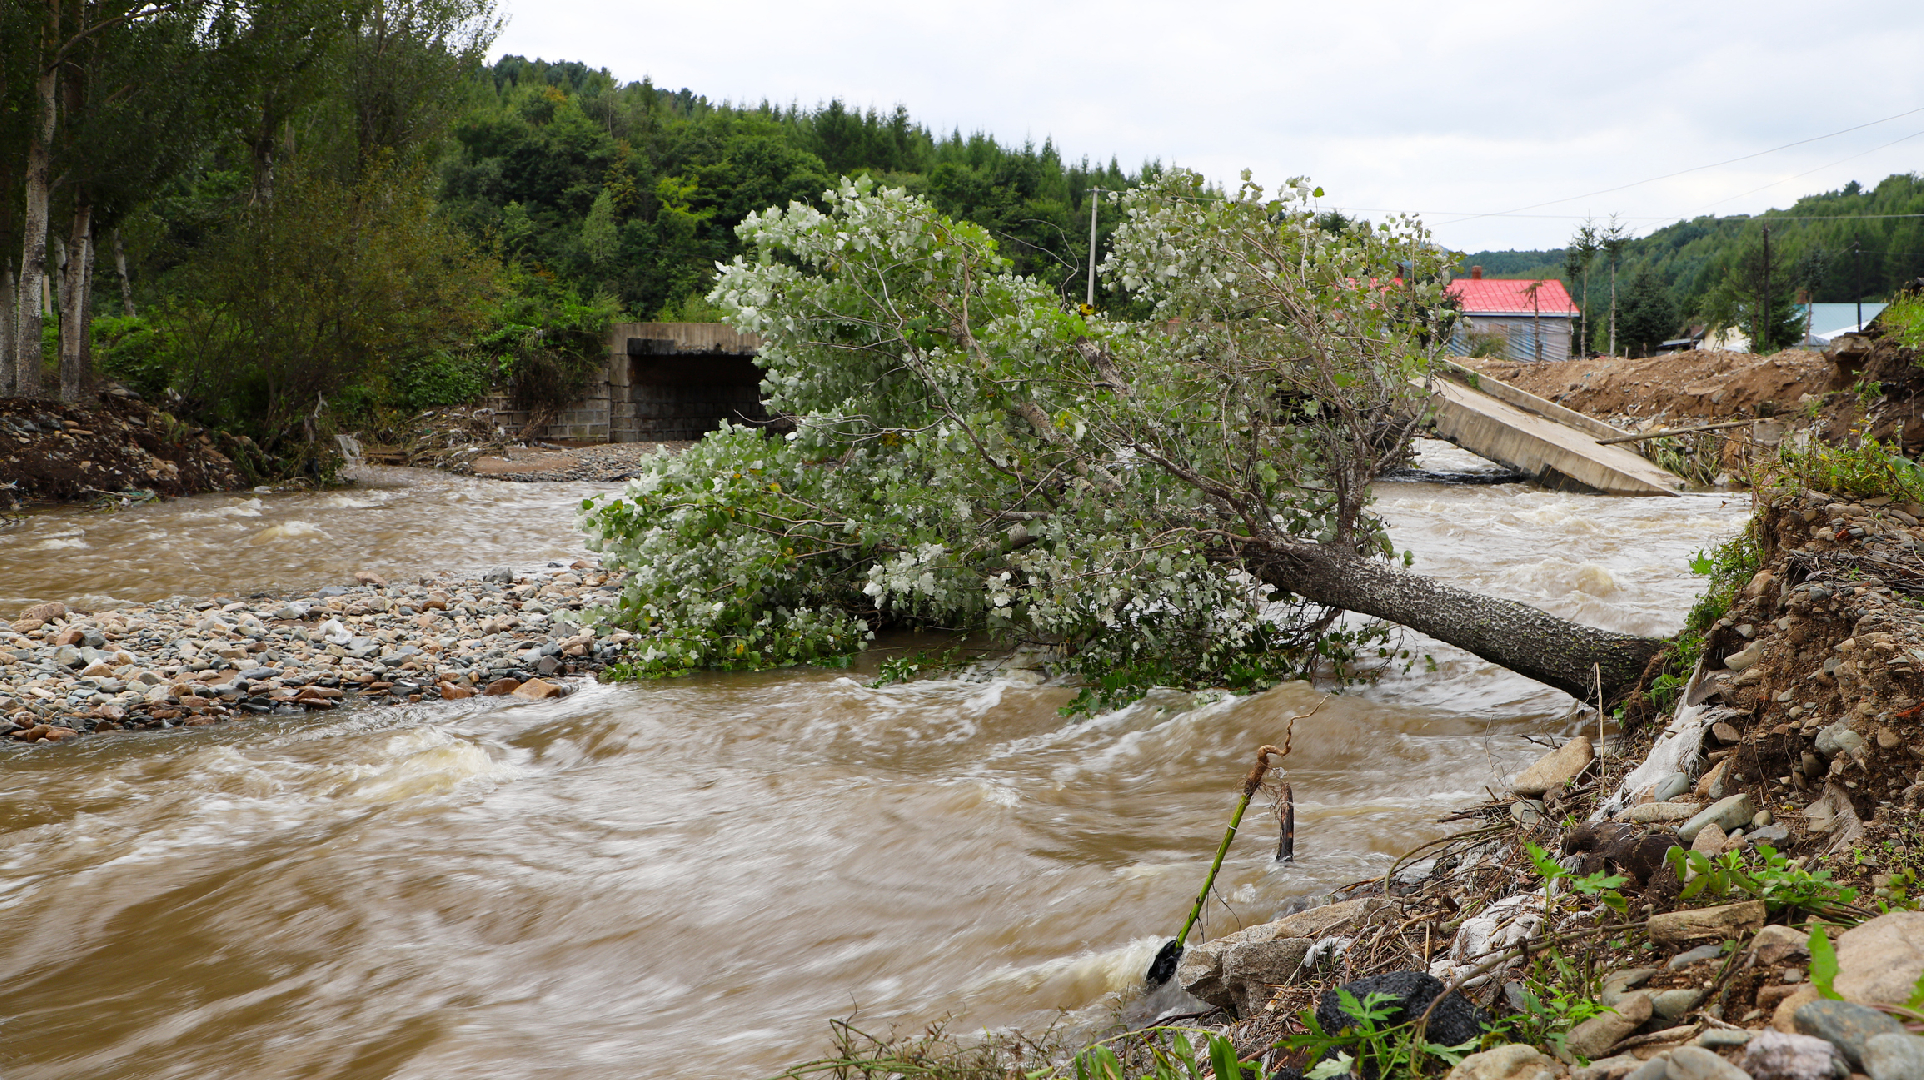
x=33, y=257
x=1556, y=652
x=73, y=300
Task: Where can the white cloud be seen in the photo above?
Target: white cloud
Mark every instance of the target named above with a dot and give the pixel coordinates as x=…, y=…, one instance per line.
x=1476, y=106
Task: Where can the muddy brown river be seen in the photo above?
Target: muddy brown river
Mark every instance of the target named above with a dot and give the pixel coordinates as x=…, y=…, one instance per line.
x=691, y=878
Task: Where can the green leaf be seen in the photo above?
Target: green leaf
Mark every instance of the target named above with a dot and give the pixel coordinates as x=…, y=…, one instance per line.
x=1916, y=1000
x=1823, y=963
x=1222, y=1059
x=1337, y=1066
x=1702, y=564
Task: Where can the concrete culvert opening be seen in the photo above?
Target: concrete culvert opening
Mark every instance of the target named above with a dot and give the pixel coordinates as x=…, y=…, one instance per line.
x=683, y=379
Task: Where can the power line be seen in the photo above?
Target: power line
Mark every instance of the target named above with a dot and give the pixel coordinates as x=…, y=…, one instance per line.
x=1698, y=168
x=1819, y=169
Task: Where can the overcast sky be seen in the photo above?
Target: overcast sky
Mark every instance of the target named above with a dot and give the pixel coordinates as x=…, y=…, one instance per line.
x=1445, y=109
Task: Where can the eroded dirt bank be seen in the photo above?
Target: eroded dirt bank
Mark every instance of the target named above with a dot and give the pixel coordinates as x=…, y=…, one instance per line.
x=54, y=452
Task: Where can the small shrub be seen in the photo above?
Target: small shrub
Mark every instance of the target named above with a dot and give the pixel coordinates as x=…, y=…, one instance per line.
x=1865, y=471
x=1489, y=344
x=1904, y=320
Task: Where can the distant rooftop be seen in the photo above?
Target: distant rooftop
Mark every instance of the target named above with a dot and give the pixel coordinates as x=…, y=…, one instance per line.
x=1509, y=296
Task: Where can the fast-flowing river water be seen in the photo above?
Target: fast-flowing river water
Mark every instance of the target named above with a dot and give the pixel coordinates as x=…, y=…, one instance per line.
x=691, y=878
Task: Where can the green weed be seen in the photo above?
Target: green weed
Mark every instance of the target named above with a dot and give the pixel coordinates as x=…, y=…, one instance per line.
x=1370, y=1041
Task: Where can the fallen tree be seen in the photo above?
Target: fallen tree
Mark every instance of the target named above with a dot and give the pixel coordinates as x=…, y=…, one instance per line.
x=1180, y=498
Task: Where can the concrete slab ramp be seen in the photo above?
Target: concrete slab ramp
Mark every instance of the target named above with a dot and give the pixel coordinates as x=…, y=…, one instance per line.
x=1553, y=445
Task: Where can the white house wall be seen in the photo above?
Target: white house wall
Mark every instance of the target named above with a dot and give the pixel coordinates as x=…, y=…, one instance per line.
x=1558, y=334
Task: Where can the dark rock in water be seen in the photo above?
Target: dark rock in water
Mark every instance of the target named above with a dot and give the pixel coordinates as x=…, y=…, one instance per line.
x=1454, y=1021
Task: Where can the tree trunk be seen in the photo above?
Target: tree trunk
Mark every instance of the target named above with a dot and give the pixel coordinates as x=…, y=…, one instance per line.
x=86, y=314
x=1556, y=652
x=126, y=283
x=73, y=295
x=7, y=343
x=33, y=258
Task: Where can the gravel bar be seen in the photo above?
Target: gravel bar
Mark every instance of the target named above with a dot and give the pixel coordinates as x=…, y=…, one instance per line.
x=188, y=663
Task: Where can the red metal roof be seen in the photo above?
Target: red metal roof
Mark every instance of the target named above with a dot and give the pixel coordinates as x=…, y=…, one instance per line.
x=1506, y=296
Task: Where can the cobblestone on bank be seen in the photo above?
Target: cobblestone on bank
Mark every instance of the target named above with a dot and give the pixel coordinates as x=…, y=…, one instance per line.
x=186, y=663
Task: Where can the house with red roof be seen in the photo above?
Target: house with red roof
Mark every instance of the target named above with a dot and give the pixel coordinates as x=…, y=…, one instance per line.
x=1525, y=319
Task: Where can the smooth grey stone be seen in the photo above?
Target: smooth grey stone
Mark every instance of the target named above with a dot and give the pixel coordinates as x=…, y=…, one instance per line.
x=1730, y=813
x=1716, y=1038
x=1670, y=787
x=329, y=591
x=1894, y=1056
x=1671, y=1004
x=500, y=573
x=1654, y=1069
x=260, y=673
x=1700, y=953
x=1696, y=1063
x=1845, y=1025
x=1839, y=739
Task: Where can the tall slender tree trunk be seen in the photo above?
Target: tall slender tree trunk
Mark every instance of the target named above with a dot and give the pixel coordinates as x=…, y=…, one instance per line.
x=8, y=303
x=1613, y=307
x=73, y=294
x=33, y=257
x=126, y=283
x=86, y=313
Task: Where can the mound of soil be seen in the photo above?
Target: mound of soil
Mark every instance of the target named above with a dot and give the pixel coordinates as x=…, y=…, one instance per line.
x=1699, y=383
x=54, y=452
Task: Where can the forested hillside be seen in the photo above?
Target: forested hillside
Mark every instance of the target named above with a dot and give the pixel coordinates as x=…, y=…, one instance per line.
x=1835, y=246
x=636, y=190
x=283, y=217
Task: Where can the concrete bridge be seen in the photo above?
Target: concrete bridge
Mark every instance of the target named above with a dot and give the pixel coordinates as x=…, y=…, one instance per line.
x=1555, y=446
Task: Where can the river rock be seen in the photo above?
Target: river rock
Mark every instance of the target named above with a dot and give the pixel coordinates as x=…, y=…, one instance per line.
x=1894, y=1057
x=1695, y=956
x=1617, y=985
x=1731, y=812
x=1709, y=841
x=1707, y=924
x=1784, y=1017
x=1845, y=1025
x=502, y=687
x=1880, y=961
x=1838, y=739
x=452, y=692
x=1670, y=787
x=500, y=574
x=1512, y=1062
x=1319, y=921
x=1696, y=1063
x=536, y=689
x=1253, y=970
x=1554, y=769
x=1776, y=946
x=1604, y=1030
x=1712, y=785
x=1655, y=813
x=44, y=613
x=1752, y=653
x=1672, y=1004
